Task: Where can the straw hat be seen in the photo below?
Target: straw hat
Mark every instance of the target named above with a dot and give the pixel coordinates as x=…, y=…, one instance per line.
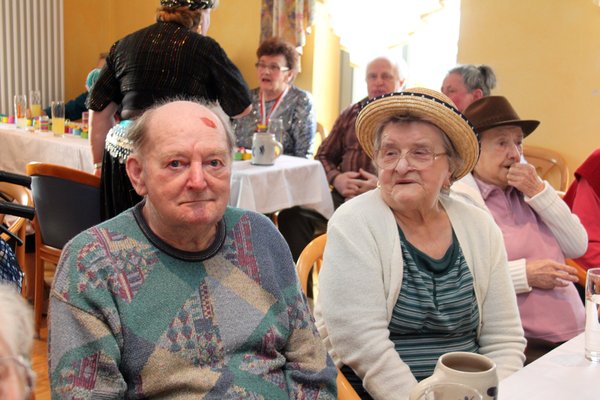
x=426, y=104
x=493, y=111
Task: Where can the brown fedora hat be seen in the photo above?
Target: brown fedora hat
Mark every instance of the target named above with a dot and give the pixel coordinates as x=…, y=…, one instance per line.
x=493, y=111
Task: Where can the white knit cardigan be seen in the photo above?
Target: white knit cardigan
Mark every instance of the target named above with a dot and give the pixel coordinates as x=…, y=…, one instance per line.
x=361, y=278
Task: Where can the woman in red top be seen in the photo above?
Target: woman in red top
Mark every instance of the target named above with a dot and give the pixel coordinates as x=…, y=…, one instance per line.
x=583, y=197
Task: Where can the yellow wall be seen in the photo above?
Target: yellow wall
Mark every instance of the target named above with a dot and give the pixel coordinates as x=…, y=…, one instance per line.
x=91, y=27
x=545, y=55
x=326, y=69
x=235, y=24
x=84, y=39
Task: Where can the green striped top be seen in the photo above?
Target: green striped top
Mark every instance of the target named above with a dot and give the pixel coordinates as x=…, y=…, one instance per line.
x=436, y=311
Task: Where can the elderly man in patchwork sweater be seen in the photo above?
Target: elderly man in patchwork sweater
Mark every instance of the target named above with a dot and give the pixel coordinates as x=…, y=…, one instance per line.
x=182, y=296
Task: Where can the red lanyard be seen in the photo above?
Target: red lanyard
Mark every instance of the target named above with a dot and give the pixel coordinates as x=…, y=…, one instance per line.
x=263, y=117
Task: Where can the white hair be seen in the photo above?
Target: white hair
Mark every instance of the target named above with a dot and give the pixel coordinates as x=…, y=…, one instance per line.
x=399, y=66
x=16, y=322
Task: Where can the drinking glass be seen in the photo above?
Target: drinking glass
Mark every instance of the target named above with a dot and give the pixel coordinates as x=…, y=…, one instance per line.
x=450, y=391
x=592, y=315
x=85, y=120
x=35, y=103
x=58, y=117
x=43, y=123
x=20, y=101
x=276, y=127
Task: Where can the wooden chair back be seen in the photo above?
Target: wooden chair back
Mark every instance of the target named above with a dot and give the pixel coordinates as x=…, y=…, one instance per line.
x=309, y=263
x=549, y=164
x=320, y=137
x=581, y=272
x=67, y=201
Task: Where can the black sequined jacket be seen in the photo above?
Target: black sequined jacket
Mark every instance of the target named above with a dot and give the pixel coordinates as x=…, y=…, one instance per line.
x=164, y=60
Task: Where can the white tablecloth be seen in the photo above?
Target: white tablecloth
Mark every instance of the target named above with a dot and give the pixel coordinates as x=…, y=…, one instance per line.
x=291, y=181
x=19, y=147
x=562, y=374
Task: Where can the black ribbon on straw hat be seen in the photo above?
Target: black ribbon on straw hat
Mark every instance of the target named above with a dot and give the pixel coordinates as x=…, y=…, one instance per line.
x=428, y=105
x=191, y=4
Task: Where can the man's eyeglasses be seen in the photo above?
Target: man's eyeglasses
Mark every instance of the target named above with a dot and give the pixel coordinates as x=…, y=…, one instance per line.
x=271, y=67
x=15, y=371
x=419, y=158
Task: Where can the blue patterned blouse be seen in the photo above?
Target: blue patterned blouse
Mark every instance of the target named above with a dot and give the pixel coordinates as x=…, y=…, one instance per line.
x=299, y=122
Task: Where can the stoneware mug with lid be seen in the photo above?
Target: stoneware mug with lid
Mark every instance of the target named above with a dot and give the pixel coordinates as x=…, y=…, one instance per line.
x=265, y=148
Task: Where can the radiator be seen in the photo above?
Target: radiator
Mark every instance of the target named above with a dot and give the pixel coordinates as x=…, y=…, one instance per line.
x=31, y=50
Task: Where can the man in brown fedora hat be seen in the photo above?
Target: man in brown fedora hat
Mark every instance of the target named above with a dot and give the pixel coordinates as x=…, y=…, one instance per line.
x=539, y=229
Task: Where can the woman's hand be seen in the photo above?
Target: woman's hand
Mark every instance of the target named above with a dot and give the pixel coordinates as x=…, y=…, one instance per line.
x=525, y=179
x=548, y=274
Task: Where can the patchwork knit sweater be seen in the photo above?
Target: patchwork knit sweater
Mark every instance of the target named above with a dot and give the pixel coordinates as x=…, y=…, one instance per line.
x=132, y=317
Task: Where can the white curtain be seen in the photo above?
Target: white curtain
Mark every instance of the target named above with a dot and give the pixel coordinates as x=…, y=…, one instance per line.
x=367, y=28
x=422, y=32
x=31, y=39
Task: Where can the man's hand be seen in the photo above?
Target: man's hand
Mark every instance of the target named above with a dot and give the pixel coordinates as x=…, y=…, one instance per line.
x=548, y=274
x=350, y=184
x=524, y=178
x=369, y=181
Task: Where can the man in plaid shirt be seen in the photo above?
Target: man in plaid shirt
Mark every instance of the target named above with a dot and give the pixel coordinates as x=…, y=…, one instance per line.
x=349, y=170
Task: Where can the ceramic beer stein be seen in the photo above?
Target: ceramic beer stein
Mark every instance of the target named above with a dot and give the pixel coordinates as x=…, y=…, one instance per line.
x=470, y=369
x=265, y=148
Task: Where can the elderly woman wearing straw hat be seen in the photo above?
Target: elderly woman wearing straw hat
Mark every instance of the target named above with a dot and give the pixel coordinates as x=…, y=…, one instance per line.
x=408, y=272
x=538, y=227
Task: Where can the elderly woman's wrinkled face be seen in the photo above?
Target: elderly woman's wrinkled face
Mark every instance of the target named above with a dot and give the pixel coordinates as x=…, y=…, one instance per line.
x=501, y=147
x=454, y=87
x=274, y=75
x=413, y=164
x=14, y=381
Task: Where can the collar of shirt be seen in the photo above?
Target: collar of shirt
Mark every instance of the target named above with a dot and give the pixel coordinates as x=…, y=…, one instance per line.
x=488, y=189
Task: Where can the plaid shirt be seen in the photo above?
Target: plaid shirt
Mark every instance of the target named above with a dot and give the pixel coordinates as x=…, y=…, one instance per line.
x=340, y=151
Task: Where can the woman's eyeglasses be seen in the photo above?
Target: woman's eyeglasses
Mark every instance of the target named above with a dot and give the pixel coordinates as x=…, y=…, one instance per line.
x=419, y=158
x=271, y=67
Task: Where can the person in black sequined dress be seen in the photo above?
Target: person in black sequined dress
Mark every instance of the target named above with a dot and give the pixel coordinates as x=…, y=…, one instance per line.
x=170, y=58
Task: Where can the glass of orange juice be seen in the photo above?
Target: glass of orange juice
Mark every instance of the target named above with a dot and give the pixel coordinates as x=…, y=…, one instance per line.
x=21, y=110
x=58, y=117
x=35, y=103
